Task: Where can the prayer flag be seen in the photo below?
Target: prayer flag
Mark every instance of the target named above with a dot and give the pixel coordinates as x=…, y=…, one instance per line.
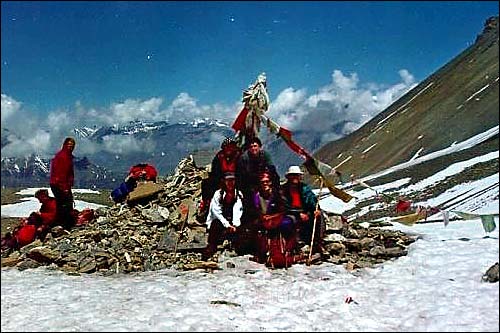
x=239, y=123
x=488, y=222
x=466, y=216
x=411, y=219
x=446, y=217
x=311, y=164
x=403, y=205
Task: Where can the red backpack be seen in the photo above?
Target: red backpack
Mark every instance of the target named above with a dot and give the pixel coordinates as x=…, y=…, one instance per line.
x=143, y=171
x=280, y=251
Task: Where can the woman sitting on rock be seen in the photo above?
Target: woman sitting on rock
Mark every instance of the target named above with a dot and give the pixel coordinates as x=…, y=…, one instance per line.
x=276, y=239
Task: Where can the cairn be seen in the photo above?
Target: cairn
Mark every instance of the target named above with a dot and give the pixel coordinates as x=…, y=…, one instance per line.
x=163, y=231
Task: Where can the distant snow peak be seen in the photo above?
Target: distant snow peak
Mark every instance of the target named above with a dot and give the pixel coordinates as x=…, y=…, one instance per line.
x=44, y=166
x=140, y=127
x=84, y=132
x=207, y=122
x=32, y=165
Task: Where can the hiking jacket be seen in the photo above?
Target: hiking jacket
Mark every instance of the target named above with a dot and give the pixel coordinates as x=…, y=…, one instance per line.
x=216, y=211
x=249, y=168
x=307, y=198
x=26, y=235
x=143, y=171
x=61, y=170
x=48, y=211
x=222, y=164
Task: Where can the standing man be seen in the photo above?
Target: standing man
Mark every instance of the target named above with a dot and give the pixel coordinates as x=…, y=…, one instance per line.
x=253, y=162
x=224, y=161
x=61, y=181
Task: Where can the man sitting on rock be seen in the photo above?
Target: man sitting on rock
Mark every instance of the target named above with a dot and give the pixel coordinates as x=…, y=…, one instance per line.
x=301, y=203
x=224, y=215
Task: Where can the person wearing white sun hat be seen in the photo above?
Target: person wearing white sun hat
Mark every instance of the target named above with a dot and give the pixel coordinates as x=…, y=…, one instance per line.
x=301, y=203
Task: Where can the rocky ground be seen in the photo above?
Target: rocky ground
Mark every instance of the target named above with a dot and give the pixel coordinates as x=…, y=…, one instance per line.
x=161, y=230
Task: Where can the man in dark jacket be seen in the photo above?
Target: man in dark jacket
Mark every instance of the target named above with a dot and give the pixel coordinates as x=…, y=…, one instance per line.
x=253, y=162
x=61, y=182
x=301, y=203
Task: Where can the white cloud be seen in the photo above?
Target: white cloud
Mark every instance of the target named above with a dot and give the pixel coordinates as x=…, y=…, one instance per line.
x=337, y=109
x=343, y=106
x=37, y=143
x=408, y=79
x=59, y=122
x=132, y=109
x=185, y=108
x=285, y=109
x=124, y=144
x=9, y=107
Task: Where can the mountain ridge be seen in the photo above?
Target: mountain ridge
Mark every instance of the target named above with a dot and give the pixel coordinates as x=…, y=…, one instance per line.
x=456, y=102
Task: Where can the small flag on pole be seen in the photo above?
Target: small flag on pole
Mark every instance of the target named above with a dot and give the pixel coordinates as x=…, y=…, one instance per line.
x=488, y=222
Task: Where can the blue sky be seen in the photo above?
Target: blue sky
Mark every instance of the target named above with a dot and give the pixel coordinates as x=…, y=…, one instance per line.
x=106, y=59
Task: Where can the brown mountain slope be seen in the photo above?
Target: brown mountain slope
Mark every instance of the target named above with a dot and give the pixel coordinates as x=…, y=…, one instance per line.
x=457, y=102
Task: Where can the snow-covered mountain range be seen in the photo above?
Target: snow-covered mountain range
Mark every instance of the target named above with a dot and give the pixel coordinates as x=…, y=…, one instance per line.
x=105, y=154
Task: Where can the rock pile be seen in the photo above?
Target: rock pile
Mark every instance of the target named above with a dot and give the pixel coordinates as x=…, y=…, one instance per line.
x=163, y=230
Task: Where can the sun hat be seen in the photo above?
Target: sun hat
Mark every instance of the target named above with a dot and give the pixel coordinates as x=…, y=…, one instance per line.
x=294, y=170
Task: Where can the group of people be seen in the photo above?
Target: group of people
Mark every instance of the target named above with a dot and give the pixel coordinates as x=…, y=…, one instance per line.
x=245, y=203
x=57, y=210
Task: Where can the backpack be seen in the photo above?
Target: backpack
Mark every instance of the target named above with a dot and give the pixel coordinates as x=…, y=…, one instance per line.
x=26, y=235
x=143, y=171
x=85, y=216
x=280, y=251
x=120, y=193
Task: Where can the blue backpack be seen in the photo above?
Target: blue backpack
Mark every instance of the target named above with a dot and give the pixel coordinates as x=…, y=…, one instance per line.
x=120, y=193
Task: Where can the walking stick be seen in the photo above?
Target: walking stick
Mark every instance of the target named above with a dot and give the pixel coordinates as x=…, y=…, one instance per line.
x=184, y=209
x=314, y=224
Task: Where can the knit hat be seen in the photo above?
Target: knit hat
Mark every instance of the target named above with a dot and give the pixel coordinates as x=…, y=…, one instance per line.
x=227, y=142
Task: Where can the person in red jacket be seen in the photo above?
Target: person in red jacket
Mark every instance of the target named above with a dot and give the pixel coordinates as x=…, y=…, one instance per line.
x=61, y=181
x=28, y=230
x=47, y=211
x=225, y=160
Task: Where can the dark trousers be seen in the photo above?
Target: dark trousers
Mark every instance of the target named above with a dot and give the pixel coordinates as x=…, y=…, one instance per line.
x=305, y=230
x=216, y=235
x=64, y=207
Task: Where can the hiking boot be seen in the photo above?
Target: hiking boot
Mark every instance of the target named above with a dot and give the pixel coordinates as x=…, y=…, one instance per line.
x=257, y=259
x=315, y=258
x=300, y=258
x=305, y=249
x=207, y=254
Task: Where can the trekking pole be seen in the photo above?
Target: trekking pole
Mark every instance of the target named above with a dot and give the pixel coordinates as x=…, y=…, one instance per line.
x=182, y=229
x=314, y=224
